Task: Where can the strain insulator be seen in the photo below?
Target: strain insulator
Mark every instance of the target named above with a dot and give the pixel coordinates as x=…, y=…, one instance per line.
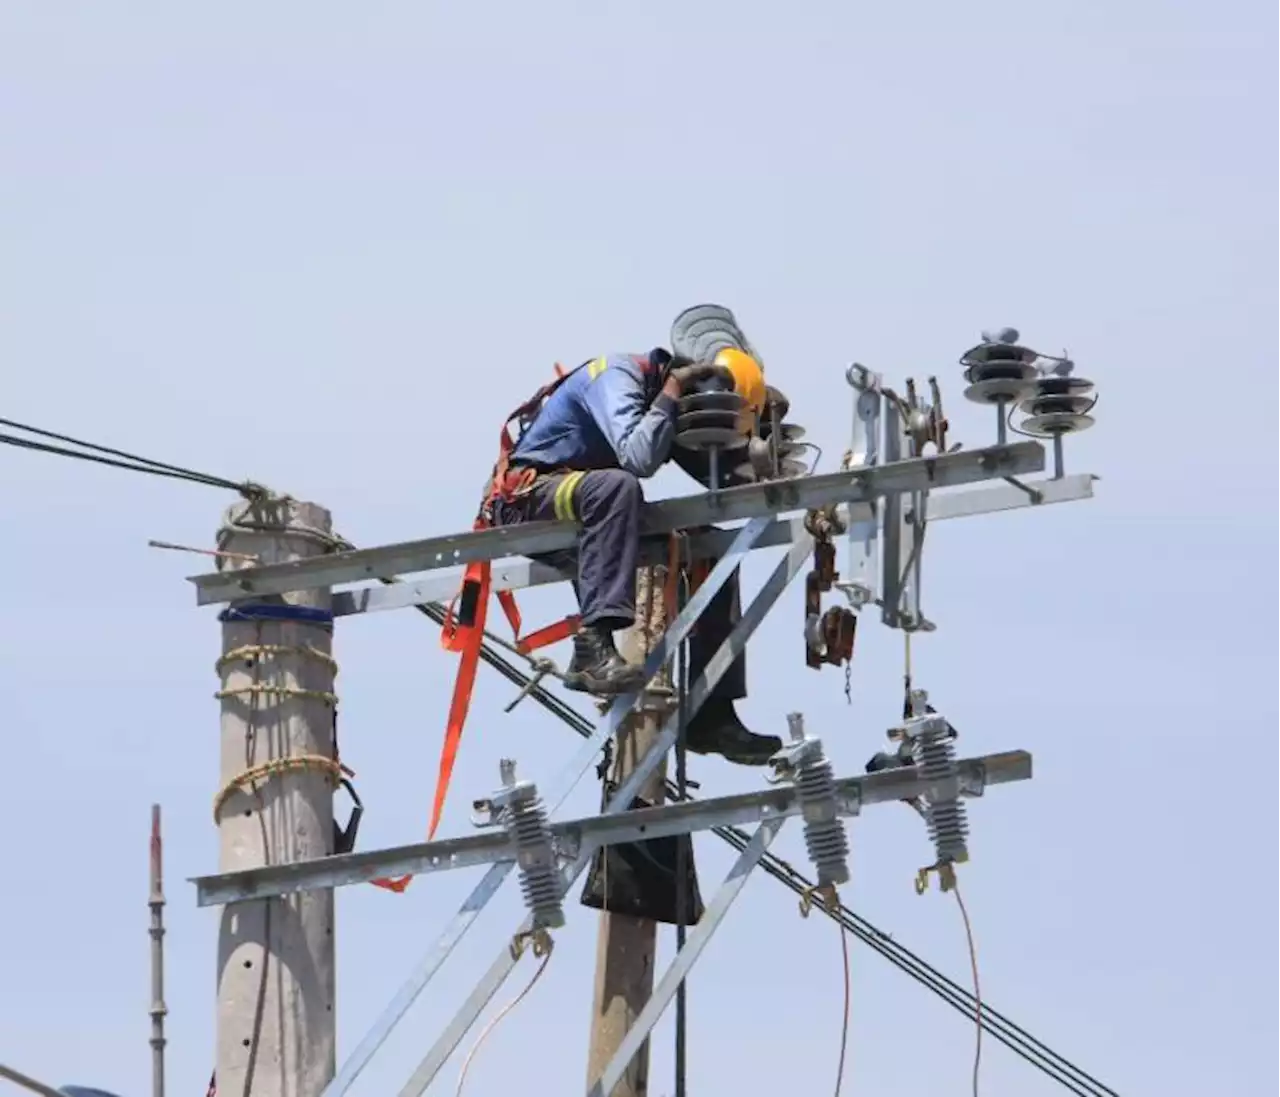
x=805, y=765
x=518, y=808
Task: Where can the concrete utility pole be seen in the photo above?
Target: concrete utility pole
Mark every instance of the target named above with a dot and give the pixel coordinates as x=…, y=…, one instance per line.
x=626, y=946
x=276, y=1017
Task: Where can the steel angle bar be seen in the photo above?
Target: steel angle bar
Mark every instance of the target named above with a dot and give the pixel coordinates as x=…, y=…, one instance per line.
x=863, y=541
x=995, y=498
x=572, y=773
x=571, y=836
x=769, y=498
x=787, y=569
x=518, y=574
x=698, y=940
x=860, y=581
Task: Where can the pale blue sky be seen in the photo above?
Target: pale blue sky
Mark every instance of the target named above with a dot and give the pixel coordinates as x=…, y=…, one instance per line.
x=329, y=246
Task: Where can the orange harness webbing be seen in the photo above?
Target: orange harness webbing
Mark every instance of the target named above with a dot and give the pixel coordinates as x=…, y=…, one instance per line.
x=463, y=631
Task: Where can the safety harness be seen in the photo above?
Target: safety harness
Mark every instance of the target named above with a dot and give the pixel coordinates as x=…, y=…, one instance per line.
x=464, y=623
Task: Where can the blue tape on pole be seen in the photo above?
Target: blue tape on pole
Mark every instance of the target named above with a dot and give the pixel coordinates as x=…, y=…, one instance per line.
x=279, y=612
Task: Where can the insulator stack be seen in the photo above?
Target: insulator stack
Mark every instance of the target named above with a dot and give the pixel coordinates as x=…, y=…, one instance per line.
x=711, y=421
x=521, y=811
x=805, y=764
x=1057, y=405
x=999, y=371
x=934, y=755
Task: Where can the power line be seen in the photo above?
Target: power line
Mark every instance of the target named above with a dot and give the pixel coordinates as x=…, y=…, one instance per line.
x=999, y=1027
x=106, y=455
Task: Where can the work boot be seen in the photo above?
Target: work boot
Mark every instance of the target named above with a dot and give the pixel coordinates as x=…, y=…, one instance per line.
x=596, y=666
x=716, y=729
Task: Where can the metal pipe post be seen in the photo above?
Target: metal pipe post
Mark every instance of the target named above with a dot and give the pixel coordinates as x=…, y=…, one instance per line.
x=276, y=1017
x=626, y=946
x=158, y=1009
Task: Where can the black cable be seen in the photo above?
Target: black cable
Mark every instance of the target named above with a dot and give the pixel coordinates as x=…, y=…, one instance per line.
x=683, y=845
x=130, y=461
x=994, y=1023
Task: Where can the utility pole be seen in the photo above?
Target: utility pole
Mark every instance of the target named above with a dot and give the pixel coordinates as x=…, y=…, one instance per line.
x=626, y=946
x=158, y=1008
x=276, y=1016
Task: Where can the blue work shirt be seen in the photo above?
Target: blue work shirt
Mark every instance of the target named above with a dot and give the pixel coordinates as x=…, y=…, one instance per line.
x=608, y=413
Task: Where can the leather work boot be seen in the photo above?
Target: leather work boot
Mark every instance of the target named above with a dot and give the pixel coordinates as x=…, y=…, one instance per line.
x=597, y=668
x=716, y=729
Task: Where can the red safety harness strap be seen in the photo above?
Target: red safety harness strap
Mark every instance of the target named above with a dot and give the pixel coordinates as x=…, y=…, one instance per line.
x=463, y=631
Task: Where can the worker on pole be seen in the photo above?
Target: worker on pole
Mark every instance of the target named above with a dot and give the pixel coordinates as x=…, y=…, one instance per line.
x=584, y=445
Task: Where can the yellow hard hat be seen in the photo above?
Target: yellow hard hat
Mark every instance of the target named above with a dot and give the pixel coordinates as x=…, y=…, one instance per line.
x=748, y=382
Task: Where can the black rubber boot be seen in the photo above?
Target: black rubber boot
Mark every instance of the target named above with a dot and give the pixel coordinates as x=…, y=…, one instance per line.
x=716, y=729
x=597, y=668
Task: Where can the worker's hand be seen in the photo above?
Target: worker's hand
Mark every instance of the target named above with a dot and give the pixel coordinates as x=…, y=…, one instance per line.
x=686, y=377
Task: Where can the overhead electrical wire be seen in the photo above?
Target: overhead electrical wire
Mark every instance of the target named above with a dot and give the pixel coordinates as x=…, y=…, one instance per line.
x=497, y=1020
x=106, y=455
x=977, y=987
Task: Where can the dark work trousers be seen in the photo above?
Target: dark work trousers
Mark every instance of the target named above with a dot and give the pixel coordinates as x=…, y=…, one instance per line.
x=606, y=505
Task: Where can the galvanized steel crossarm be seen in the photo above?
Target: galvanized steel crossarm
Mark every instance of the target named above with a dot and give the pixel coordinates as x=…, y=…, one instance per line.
x=687, y=512
x=572, y=836
x=518, y=574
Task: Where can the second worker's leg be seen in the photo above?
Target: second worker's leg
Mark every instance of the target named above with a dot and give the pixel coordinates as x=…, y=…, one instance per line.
x=716, y=728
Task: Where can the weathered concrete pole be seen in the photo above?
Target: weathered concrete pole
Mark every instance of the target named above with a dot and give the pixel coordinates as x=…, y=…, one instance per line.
x=276, y=1009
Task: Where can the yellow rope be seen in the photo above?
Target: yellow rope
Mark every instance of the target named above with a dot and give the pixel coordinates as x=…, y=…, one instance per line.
x=253, y=654
x=279, y=691
x=249, y=652
x=276, y=766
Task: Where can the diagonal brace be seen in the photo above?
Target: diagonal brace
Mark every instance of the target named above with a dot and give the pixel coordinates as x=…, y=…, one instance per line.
x=582, y=761
x=787, y=569
x=686, y=958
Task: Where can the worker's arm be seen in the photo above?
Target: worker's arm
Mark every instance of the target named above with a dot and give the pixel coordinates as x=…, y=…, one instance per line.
x=640, y=432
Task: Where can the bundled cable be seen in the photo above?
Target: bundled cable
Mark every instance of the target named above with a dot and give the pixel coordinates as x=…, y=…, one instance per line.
x=116, y=458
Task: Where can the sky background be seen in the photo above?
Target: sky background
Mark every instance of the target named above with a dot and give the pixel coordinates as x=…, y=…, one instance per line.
x=329, y=246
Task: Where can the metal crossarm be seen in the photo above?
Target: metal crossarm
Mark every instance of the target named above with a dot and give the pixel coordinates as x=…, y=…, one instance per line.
x=680, y=967
x=529, y=539
x=574, y=835
x=709, y=544
x=787, y=569
x=493, y=879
